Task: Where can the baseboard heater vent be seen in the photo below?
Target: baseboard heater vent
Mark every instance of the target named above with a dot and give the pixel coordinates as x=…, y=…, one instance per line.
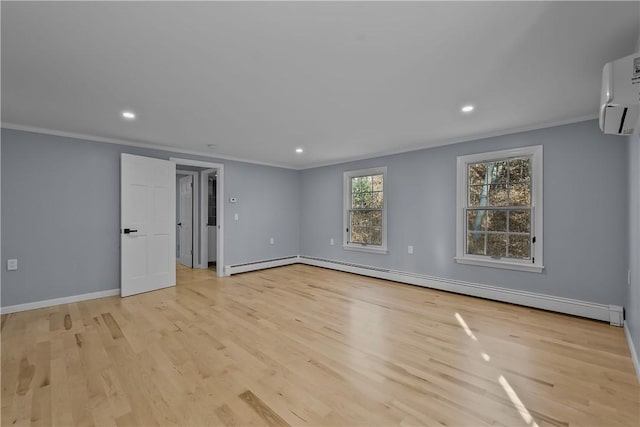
x=608, y=313
x=347, y=264
x=260, y=265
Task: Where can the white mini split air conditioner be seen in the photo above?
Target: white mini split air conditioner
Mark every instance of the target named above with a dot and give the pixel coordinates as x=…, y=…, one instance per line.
x=620, y=97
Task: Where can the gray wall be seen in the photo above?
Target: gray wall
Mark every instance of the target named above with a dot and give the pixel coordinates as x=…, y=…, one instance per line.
x=585, y=213
x=632, y=302
x=61, y=214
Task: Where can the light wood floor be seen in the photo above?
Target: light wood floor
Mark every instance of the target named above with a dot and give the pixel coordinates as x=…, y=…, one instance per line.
x=300, y=345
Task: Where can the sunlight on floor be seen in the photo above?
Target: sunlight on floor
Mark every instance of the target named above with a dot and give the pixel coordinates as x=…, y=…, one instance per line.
x=511, y=393
x=524, y=413
x=465, y=327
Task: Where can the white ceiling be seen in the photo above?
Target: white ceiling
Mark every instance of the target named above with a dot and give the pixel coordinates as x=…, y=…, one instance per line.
x=341, y=80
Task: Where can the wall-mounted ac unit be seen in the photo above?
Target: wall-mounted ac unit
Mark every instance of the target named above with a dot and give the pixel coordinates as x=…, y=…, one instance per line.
x=620, y=97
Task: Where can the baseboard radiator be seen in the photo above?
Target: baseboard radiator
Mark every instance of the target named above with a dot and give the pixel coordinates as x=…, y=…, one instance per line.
x=260, y=265
x=608, y=313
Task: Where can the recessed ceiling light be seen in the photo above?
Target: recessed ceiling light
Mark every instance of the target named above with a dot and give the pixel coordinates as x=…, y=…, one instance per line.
x=467, y=108
x=299, y=150
x=129, y=115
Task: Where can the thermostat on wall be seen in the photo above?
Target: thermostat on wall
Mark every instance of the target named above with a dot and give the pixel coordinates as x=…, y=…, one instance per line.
x=232, y=200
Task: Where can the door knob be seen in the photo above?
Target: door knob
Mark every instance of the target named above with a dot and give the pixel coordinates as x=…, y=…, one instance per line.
x=129, y=230
x=179, y=224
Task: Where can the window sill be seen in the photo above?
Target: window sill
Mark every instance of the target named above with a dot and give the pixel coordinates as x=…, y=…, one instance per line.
x=370, y=249
x=532, y=268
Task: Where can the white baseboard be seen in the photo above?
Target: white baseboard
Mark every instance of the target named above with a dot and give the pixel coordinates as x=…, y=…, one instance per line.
x=632, y=349
x=260, y=265
x=604, y=312
x=57, y=301
x=607, y=313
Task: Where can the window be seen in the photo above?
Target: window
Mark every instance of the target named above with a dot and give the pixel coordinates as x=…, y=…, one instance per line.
x=365, y=213
x=499, y=209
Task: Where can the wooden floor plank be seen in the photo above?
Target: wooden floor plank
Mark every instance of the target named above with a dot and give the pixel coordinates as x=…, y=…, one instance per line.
x=300, y=345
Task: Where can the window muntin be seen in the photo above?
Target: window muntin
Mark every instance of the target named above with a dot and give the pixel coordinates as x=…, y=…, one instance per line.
x=365, y=222
x=499, y=209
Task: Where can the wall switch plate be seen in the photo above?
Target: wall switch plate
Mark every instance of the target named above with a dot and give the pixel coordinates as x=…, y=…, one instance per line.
x=12, y=264
x=331, y=242
x=235, y=217
x=272, y=241
x=410, y=250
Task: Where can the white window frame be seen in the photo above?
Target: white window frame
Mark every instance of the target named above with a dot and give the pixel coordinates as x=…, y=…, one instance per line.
x=382, y=249
x=532, y=265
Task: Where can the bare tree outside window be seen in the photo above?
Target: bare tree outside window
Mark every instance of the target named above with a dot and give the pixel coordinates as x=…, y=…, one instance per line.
x=498, y=214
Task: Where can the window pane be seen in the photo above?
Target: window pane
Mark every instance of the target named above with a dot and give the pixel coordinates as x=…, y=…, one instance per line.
x=377, y=182
x=376, y=218
x=375, y=236
x=361, y=184
x=366, y=227
x=358, y=219
x=359, y=235
x=355, y=183
x=476, y=173
x=497, y=172
x=476, y=220
x=475, y=243
x=519, y=247
x=366, y=218
x=375, y=200
x=497, y=220
x=520, y=194
x=358, y=200
x=519, y=170
x=478, y=195
x=520, y=221
x=498, y=195
x=497, y=245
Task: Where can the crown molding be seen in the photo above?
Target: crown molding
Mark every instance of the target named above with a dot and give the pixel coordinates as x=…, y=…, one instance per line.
x=452, y=141
x=209, y=155
x=138, y=144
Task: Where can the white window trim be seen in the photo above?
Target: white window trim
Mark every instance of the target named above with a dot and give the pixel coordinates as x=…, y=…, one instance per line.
x=536, y=154
x=346, y=192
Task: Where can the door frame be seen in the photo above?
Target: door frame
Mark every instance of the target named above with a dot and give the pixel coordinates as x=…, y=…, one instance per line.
x=219, y=211
x=194, y=209
x=204, y=212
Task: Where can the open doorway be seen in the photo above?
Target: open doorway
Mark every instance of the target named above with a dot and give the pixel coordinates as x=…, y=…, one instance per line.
x=186, y=224
x=206, y=181
x=211, y=179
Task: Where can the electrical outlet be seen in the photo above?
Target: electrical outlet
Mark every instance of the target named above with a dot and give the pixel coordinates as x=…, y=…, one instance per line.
x=410, y=250
x=12, y=264
x=331, y=241
x=272, y=241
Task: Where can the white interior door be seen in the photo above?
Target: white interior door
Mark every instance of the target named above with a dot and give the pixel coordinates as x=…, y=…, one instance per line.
x=147, y=221
x=185, y=221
